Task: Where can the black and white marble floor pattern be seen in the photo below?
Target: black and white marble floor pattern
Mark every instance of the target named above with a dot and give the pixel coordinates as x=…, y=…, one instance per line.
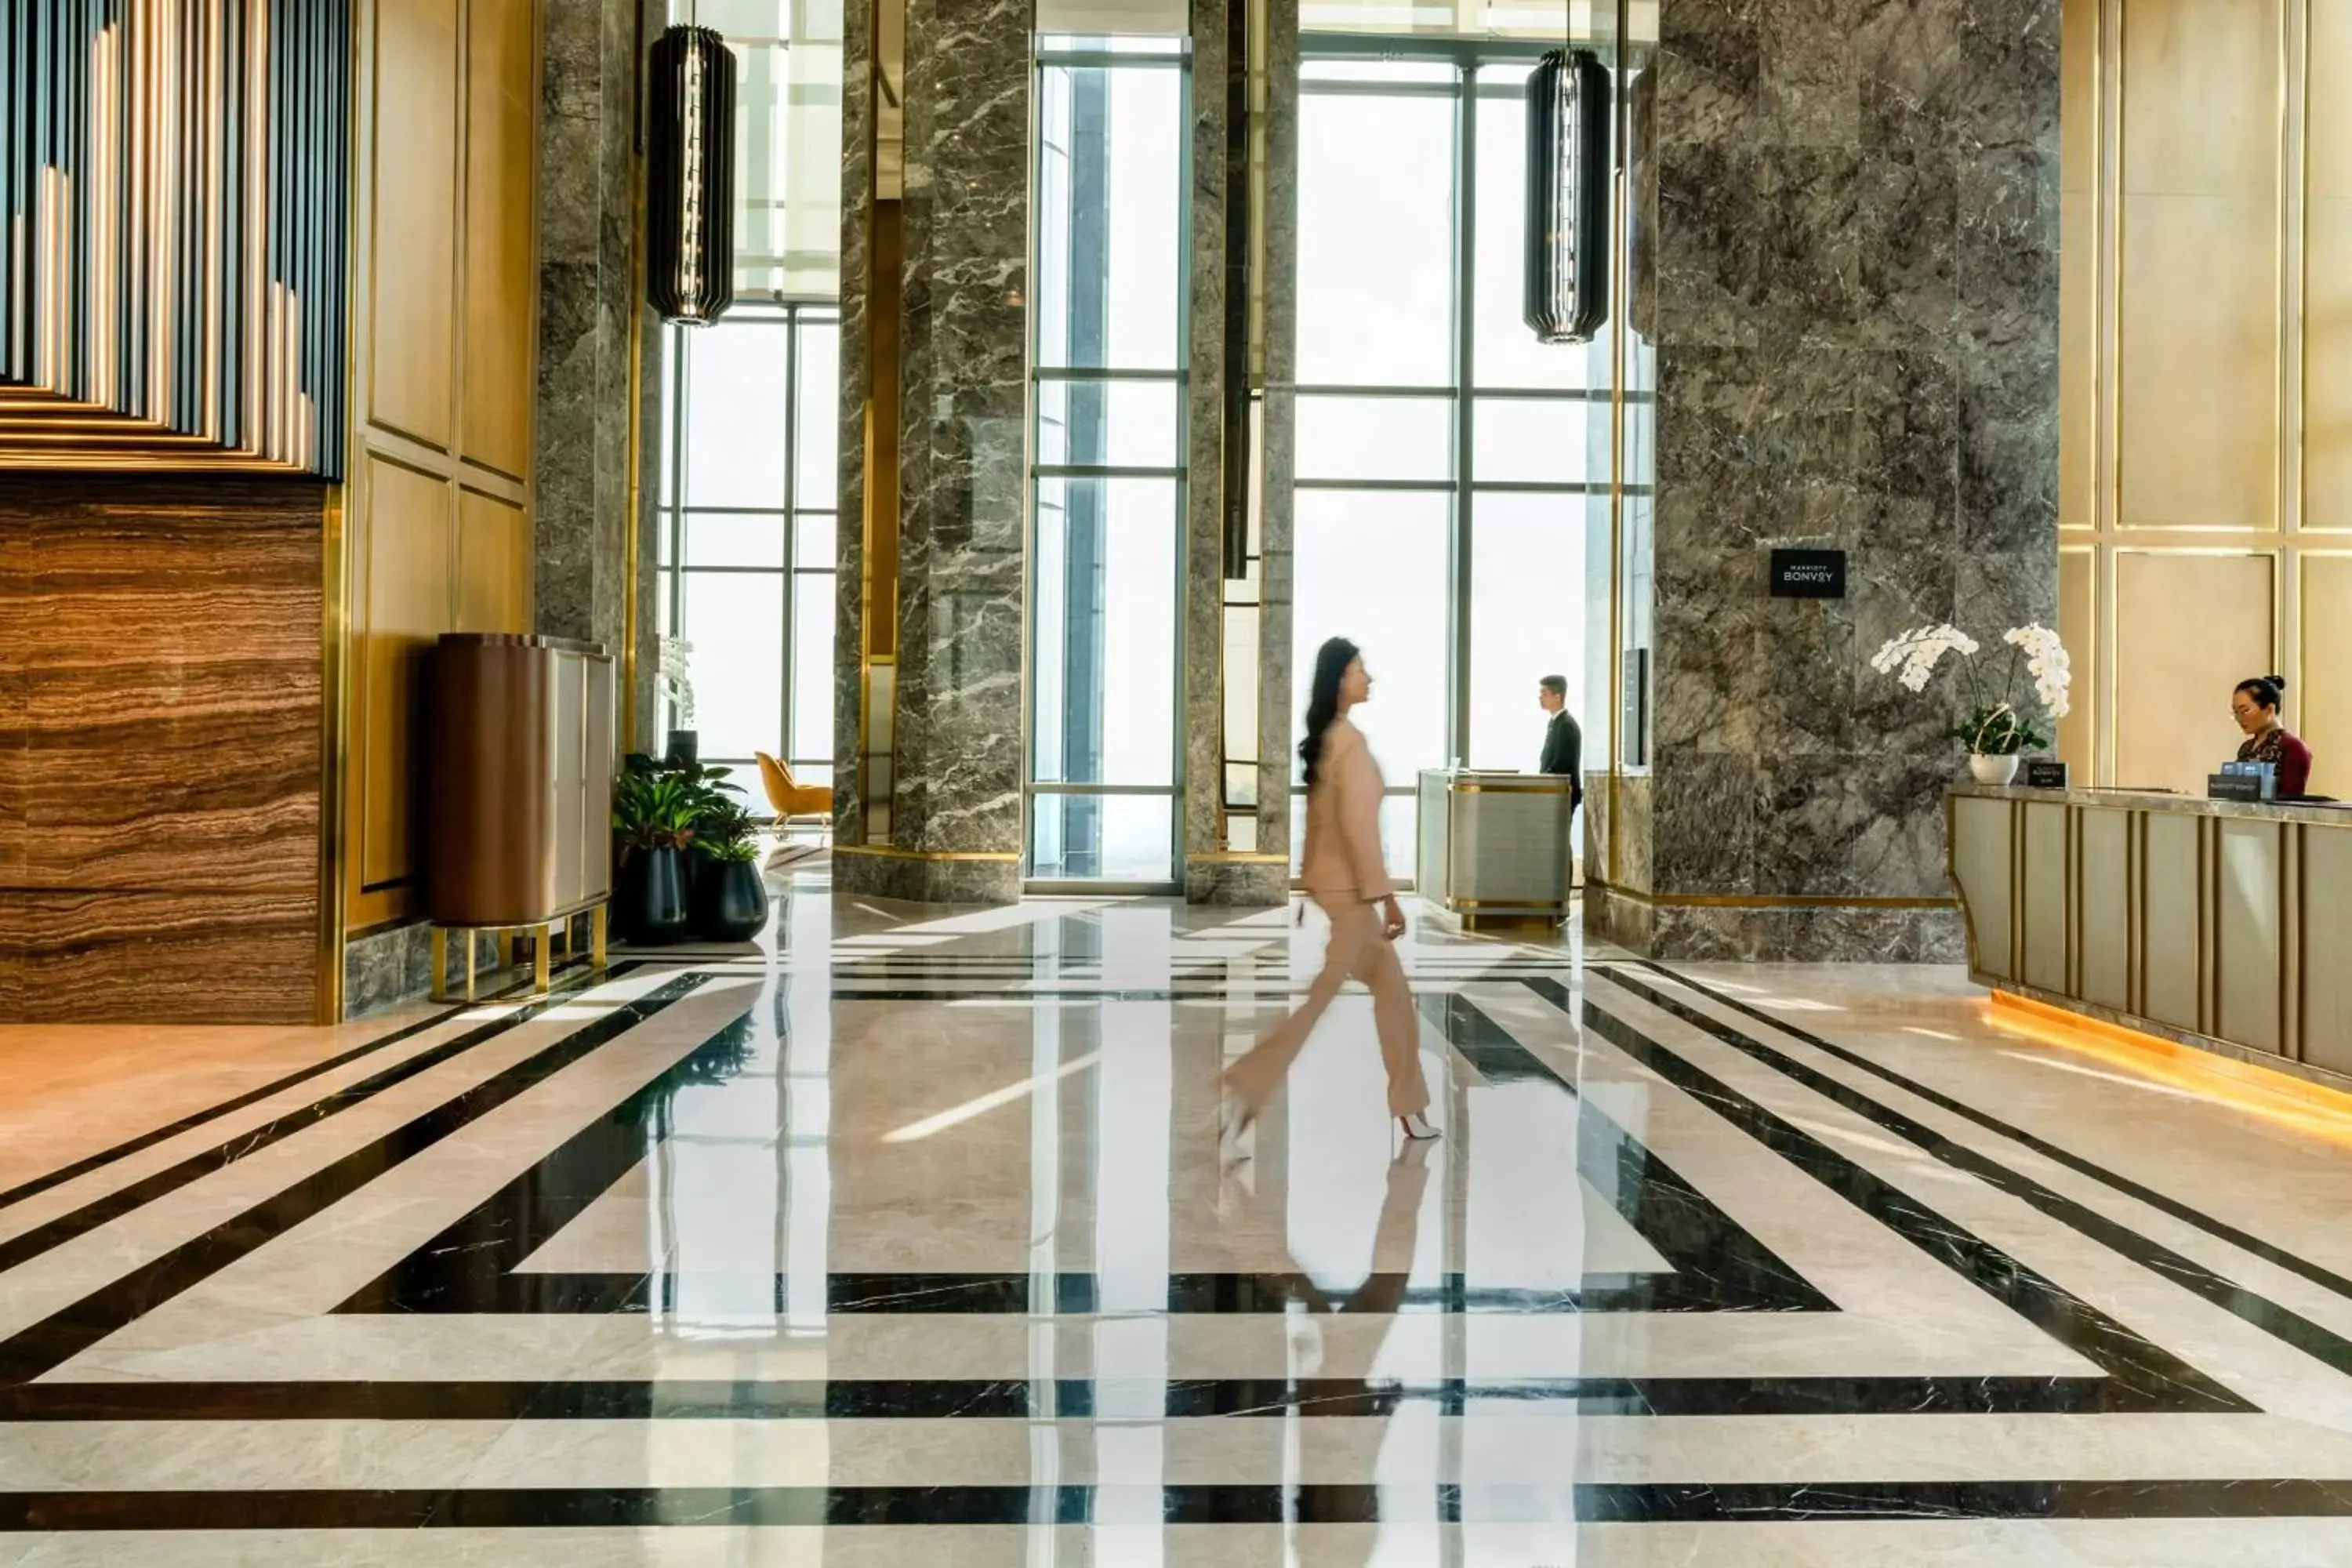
x=906, y=1241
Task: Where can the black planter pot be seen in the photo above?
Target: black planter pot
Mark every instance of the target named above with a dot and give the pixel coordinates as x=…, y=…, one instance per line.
x=730, y=901
x=652, y=899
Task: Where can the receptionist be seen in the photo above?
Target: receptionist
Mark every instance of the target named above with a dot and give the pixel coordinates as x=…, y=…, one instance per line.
x=2256, y=704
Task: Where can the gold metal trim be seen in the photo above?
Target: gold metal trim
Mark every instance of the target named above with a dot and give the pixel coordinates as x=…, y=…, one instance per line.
x=633, y=548
x=334, y=753
x=1562, y=790
x=892, y=852
x=1766, y=900
x=1237, y=857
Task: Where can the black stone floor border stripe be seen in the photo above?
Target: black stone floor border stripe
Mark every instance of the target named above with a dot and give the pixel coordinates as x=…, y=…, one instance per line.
x=28, y=1245
x=692, y=1508
x=930, y=1399
x=1069, y=1294
x=2321, y=1343
x=2143, y=1376
x=473, y=1263
x=56, y=1339
x=2245, y=1241
x=1713, y=1264
x=104, y=1157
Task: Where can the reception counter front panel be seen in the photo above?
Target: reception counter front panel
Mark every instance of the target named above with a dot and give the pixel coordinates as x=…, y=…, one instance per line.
x=2222, y=924
x=1496, y=846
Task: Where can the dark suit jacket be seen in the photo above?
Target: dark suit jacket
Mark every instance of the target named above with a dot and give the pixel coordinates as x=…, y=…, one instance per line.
x=1563, y=750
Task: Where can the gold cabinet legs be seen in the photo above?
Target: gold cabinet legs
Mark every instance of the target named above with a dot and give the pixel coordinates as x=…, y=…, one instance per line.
x=544, y=936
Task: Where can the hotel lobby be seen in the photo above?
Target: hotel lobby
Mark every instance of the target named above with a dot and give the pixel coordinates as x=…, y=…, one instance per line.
x=1084, y=782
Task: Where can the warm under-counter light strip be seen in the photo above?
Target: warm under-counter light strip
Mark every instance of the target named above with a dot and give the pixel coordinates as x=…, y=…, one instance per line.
x=2275, y=1097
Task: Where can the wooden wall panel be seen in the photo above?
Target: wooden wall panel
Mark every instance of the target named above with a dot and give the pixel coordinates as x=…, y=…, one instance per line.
x=501, y=221
x=160, y=748
x=440, y=526
x=412, y=189
x=404, y=555
x=2172, y=690
x=494, y=565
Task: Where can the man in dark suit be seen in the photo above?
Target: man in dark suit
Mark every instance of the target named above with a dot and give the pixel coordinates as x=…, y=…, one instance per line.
x=1563, y=745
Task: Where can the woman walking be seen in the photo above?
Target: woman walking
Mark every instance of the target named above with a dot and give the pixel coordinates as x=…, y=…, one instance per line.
x=1344, y=875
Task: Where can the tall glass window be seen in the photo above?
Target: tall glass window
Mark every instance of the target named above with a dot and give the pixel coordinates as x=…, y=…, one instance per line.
x=748, y=529
x=1441, y=448
x=1105, y=579
x=747, y=519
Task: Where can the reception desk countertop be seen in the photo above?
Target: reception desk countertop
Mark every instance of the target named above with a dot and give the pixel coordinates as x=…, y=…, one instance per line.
x=2165, y=801
x=2221, y=924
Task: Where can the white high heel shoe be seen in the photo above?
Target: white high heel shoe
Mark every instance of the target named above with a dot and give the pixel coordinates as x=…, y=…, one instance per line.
x=1234, y=1119
x=1416, y=1127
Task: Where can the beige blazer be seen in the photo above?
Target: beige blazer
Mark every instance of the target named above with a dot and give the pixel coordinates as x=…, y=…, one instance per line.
x=1343, y=859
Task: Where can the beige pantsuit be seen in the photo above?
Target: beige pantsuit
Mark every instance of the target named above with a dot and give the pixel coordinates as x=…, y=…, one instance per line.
x=1343, y=873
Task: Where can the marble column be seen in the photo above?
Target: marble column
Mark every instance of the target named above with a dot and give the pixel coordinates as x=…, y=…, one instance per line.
x=1279, y=253
x=1220, y=867
x=956, y=798
x=857, y=199
x=1856, y=317
x=587, y=305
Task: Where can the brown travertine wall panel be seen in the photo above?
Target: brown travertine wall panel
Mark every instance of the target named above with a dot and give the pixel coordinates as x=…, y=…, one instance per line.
x=160, y=723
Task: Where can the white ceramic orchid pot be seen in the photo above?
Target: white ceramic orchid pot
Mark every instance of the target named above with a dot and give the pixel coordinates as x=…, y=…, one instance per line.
x=1992, y=770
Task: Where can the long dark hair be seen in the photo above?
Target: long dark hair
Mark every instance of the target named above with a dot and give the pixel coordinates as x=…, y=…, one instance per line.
x=2267, y=690
x=1331, y=662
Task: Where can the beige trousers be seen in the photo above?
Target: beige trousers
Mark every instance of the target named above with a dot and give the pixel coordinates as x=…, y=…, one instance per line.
x=1359, y=950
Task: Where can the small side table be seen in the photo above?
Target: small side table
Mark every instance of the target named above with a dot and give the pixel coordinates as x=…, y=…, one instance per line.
x=544, y=934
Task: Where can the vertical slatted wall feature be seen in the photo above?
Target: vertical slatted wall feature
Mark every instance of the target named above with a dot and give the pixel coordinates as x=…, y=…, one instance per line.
x=173, y=189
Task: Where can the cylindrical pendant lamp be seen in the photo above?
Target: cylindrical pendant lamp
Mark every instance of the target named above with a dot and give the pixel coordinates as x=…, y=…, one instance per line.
x=690, y=183
x=1568, y=178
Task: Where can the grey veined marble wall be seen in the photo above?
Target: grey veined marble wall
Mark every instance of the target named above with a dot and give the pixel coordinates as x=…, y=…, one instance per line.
x=1856, y=328
x=955, y=807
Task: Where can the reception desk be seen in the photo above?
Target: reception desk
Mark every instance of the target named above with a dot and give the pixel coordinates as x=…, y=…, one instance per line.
x=2221, y=924
x=1496, y=846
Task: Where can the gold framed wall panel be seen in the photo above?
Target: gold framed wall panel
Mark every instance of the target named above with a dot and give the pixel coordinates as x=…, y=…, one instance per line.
x=2171, y=710
x=2218, y=200
x=409, y=186
x=438, y=527
x=2320, y=688
x=2326, y=384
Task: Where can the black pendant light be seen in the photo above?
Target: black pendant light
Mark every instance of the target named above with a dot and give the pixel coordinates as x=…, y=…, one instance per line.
x=1568, y=196
x=690, y=185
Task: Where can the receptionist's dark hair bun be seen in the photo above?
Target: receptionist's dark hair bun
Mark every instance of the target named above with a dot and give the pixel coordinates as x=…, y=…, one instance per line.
x=2265, y=690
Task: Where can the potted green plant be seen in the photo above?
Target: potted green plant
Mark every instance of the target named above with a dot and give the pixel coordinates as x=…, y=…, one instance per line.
x=1994, y=728
x=653, y=813
x=729, y=898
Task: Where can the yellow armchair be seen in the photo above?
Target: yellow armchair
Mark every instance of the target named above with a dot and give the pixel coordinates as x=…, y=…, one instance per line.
x=788, y=798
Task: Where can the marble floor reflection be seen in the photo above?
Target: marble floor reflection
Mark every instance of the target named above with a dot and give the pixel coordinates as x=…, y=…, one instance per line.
x=906, y=1240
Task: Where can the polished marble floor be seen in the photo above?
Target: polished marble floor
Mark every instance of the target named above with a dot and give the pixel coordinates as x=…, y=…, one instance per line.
x=906, y=1241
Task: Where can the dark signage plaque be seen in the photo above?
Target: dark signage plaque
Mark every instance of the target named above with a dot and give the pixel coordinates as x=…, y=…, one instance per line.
x=2042, y=773
x=1808, y=574
x=2234, y=786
